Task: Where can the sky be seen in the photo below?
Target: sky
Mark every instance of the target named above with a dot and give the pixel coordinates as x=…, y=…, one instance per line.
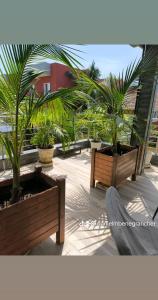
x=108, y=58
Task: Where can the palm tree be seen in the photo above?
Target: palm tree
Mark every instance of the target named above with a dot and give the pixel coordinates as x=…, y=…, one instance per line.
x=111, y=97
x=93, y=72
x=18, y=99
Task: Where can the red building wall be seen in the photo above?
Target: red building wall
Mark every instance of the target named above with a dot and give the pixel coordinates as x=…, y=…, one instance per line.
x=57, y=78
x=40, y=82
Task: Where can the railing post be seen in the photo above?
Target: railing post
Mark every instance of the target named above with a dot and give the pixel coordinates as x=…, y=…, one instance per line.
x=60, y=235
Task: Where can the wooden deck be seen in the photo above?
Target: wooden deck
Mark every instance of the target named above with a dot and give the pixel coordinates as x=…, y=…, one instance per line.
x=87, y=232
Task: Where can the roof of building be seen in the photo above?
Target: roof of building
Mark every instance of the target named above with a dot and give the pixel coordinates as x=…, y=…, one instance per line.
x=42, y=66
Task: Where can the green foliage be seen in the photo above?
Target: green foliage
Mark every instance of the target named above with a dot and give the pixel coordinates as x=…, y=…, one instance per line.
x=93, y=72
x=92, y=124
x=153, y=136
x=19, y=100
x=66, y=141
x=111, y=96
x=44, y=138
x=69, y=126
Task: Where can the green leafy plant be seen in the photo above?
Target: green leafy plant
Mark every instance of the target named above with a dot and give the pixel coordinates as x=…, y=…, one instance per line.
x=66, y=141
x=93, y=72
x=18, y=98
x=92, y=123
x=113, y=94
x=153, y=137
x=44, y=138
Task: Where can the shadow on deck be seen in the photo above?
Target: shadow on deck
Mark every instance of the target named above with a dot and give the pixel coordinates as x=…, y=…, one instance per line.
x=86, y=228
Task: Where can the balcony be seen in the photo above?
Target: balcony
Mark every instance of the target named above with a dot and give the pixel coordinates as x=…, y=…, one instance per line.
x=86, y=229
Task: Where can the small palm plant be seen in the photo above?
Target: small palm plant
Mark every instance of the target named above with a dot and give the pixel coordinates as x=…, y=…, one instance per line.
x=18, y=99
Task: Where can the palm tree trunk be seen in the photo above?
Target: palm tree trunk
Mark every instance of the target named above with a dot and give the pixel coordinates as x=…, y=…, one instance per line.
x=16, y=189
x=114, y=137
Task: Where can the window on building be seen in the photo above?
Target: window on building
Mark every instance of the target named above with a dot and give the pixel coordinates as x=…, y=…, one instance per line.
x=46, y=87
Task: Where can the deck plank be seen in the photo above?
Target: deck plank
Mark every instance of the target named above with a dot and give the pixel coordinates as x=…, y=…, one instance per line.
x=86, y=229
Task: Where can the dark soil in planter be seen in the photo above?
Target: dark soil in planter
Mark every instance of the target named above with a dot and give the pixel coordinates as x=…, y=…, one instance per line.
x=109, y=151
x=29, y=188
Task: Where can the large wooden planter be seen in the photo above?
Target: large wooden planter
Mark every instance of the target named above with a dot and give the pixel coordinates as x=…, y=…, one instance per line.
x=112, y=170
x=25, y=224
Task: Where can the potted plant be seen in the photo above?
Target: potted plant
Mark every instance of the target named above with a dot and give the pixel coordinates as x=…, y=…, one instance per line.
x=113, y=164
x=96, y=140
x=92, y=123
x=44, y=140
x=32, y=205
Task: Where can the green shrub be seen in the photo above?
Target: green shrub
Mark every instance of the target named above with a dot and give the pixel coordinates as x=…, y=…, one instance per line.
x=44, y=138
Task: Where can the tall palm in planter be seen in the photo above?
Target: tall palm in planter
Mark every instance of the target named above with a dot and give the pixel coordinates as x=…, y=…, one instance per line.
x=19, y=102
x=113, y=164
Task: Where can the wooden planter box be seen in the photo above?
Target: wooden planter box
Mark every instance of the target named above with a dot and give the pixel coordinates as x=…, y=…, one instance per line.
x=112, y=170
x=25, y=224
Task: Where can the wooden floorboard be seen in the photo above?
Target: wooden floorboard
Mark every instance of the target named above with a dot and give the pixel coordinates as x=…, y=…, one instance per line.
x=86, y=229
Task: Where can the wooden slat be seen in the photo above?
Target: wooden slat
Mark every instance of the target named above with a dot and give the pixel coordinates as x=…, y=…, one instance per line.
x=128, y=156
x=20, y=224
x=103, y=176
x=17, y=208
x=104, y=170
x=48, y=204
x=103, y=179
x=128, y=166
x=28, y=233
x=104, y=157
x=103, y=161
x=39, y=239
x=125, y=173
x=126, y=161
x=31, y=241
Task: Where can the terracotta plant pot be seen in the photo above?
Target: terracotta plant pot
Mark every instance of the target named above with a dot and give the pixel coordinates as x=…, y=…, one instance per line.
x=112, y=170
x=45, y=156
x=28, y=222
